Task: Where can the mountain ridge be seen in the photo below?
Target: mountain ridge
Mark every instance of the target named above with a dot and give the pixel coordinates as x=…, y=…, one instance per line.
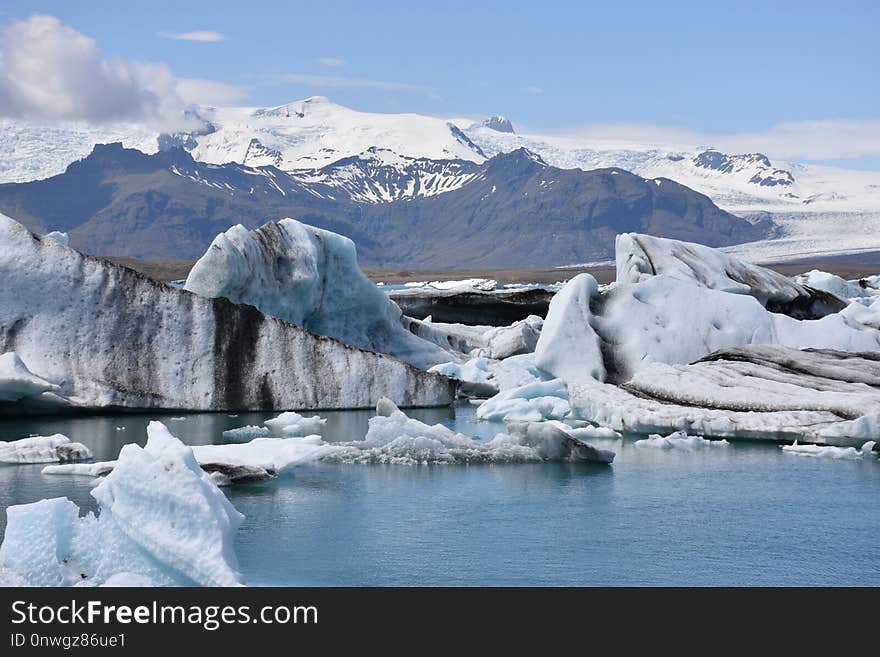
x=121, y=202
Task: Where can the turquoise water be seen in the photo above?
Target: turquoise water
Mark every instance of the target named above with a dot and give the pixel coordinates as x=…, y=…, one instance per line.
x=747, y=514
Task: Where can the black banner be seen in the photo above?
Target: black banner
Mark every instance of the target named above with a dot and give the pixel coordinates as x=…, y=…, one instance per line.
x=232, y=620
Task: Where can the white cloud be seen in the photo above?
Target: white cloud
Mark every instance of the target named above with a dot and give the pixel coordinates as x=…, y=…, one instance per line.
x=205, y=36
x=331, y=61
x=534, y=90
x=50, y=72
x=208, y=92
x=803, y=140
x=339, y=82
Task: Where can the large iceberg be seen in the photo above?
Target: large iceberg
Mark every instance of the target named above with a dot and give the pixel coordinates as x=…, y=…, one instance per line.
x=161, y=521
x=108, y=336
x=661, y=311
x=753, y=392
x=310, y=278
x=642, y=256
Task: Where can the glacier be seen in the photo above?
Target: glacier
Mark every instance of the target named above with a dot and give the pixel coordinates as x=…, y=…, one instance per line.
x=310, y=278
x=161, y=521
x=110, y=337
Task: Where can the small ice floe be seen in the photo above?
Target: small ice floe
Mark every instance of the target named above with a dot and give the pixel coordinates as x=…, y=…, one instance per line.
x=292, y=425
x=830, y=452
x=162, y=521
x=286, y=425
x=232, y=415
x=246, y=434
x=394, y=438
x=177, y=419
x=679, y=440
x=257, y=460
x=120, y=428
x=56, y=448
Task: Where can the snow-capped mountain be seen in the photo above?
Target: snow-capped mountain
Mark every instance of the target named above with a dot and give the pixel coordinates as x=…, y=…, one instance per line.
x=337, y=152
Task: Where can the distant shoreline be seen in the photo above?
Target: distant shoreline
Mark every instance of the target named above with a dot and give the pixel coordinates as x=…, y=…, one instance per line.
x=849, y=267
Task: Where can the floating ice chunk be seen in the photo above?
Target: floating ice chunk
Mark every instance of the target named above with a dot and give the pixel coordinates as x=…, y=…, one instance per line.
x=98, y=469
x=310, y=278
x=224, y=474
x=519, y=338
x=17, y=381
x=181, y=351
x=278, y=455
x=569, y=348
x=58, y=236
x=177, y=419
x=160, y=518
x=245, y=434
x=533, y=402
x=43, y=449
x=487, y=377
x=639, y=257
x=394, y=438
x=831, y=452
x=553, y=443
x=290, y=424
x=679, y=440
x=820, y=280
x=753, y=392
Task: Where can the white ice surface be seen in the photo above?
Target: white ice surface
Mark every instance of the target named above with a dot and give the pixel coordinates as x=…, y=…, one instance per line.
x=679, y=440
x=17, y=381
x=533, y=402
x=161, y=519
x=291, y=425
x=831, y=452
x=569, y=347
x=310, y=278
x=43, y=449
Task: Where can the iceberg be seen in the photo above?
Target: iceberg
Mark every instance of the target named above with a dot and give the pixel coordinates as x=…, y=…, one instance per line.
x=108, y=336
x=256, y=460
x=17, y=381
x=639, y=257
x=830, y=452
x=533, y=402
x=752, y=392
x=679, y=440
x=610, y=335
x=394, y=438
x=569, y=347
x=161, y=521
x=290, y=424
x=43, y=449
x=247, y=433
x=482, y=377
x=308, y=277
x=495, y=342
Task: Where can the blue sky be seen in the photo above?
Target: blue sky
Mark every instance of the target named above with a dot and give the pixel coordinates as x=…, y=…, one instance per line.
x=742, y=67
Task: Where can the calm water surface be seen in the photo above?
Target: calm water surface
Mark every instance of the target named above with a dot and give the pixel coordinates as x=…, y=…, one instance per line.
x=747, y=514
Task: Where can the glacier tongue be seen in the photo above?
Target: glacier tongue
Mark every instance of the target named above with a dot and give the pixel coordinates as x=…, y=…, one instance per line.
x=309, y=277
x=111, y=337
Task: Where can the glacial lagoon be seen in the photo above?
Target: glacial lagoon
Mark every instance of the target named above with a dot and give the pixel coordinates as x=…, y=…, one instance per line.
x=744, y=514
